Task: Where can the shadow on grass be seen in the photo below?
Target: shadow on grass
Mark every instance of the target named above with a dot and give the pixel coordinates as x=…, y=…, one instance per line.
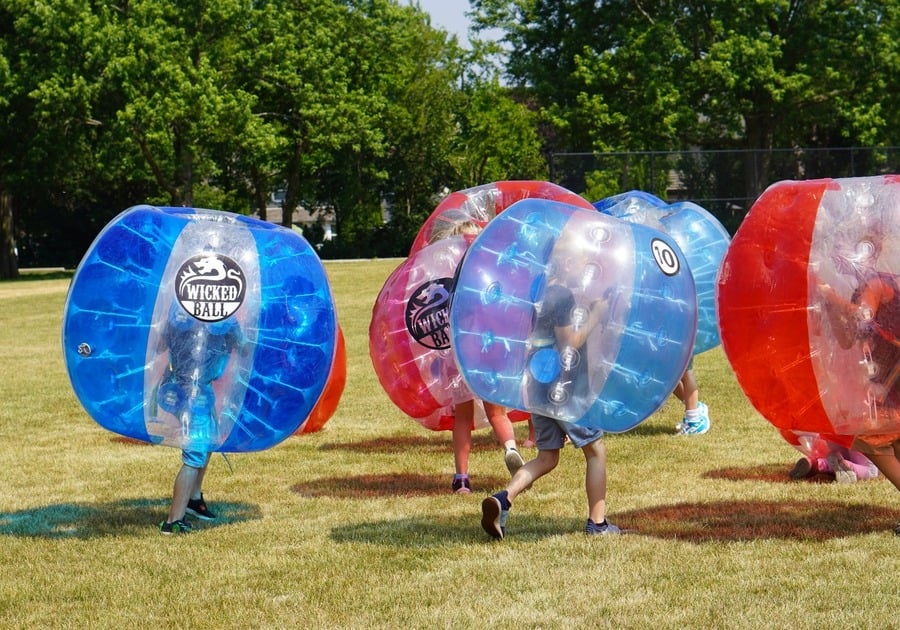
x=391, y=485
x=717, y=522
x=728, y=521
x=481, y=441
x=424, y=533
x=774, y=473
x=126, y=517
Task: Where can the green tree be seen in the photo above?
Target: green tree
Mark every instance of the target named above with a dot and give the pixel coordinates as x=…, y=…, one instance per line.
x=498, y=137
x=407, y=71
x=350, y=106
x=169, y=74
x=704, y=73
x=422, y=96
x=785, y=74
x=48, y=135
x=8, y=260
x=296, y=62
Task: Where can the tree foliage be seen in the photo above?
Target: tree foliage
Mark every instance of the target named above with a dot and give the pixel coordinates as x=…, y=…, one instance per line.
x=654, y=74
x=361, y=112
x=347, y=106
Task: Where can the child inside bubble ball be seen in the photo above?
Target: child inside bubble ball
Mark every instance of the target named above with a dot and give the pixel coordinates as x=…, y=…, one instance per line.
x=871, y=319
x=198, y=355
x=446, y=225
x=558, y=323
x=828, y=454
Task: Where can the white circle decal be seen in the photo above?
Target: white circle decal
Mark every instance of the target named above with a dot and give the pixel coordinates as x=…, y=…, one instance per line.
x=665, y=257
x=210, y=287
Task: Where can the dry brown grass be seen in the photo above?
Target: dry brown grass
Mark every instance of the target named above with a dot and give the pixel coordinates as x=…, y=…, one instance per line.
x=354, y=526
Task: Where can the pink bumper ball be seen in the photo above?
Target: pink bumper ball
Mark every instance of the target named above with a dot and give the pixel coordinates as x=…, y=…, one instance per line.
x=409, y=334
x=482, y=203
x=809, y=306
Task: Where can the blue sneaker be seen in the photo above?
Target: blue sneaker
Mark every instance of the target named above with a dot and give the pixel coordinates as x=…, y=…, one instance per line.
x=493, y=517
x=601, y=529
x=697, y=426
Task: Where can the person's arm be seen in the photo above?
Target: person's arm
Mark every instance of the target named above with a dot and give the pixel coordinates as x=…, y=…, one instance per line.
x=841, y=315
x=846, y=316
x=874, y=294
x=575, y=334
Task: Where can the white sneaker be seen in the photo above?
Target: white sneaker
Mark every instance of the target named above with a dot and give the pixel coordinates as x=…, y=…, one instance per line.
x=514, y=460
x=842, y=472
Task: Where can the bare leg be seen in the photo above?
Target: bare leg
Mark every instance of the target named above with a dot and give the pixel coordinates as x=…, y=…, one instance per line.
x=689, y=392
x=494, y=509
x=503, y=430
x=530, y=442
x=197, y=492
x=187, y=486
x=463, y=416
x=501, y=424
x=889, y=464
x=595, y=479
x=531, y=472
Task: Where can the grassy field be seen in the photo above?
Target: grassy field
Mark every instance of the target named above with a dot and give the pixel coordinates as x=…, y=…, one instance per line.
x=355, y=526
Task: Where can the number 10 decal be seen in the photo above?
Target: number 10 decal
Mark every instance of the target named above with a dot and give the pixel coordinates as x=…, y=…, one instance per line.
x=665, y=257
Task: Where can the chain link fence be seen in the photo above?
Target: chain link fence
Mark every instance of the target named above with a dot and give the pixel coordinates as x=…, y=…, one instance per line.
x=725, y=182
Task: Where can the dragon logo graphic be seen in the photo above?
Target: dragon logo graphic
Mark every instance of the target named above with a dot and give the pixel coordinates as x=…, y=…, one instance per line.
x=210, y=287
x=428, y=314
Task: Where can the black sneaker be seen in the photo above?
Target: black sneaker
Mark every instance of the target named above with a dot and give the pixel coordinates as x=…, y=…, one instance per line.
x=802, y=469
x=493, y=517
x=601, y=529
x=178, y=527
x=197, y=507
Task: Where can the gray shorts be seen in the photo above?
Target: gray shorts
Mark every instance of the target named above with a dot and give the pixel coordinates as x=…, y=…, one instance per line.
x=550, y=434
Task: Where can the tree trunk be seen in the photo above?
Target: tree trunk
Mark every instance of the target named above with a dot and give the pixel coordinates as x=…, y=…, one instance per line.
x=292, y=190
x=9, y=264
x=184, y=165
x=260, y=193
x=759, y=134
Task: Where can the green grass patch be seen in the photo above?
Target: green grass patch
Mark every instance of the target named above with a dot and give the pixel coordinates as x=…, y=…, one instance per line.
x=355, y=526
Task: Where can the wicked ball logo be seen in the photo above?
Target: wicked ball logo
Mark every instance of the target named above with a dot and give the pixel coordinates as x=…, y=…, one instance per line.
x=210, y=287
x=428, y=314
